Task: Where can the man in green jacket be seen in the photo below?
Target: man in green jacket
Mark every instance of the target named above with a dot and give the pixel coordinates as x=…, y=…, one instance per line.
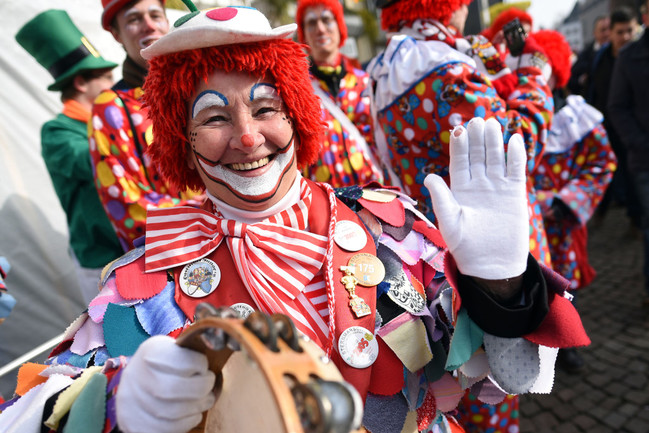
x=80, y=74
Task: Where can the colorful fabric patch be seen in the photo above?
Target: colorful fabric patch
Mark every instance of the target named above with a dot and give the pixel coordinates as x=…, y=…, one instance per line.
x=467, y=338
x=66, y=399
x=129, y=257
x=488, y=392
x=476, y=368
x=29, y=377
x=426, y=413
x=385, y=414
x=545, y=381
x=400, y=233
x=409, y=249
x=392, y=213
x=160, y=314
x=133, y=283
x=561, y=327
x=387, y=372
x=414, y=389
x=89, y=336
x=122, y=331
x=406, y=336
x=89, y=409
x=25, y=414
x=447, y=393
x=514, y=362
x=108, y=294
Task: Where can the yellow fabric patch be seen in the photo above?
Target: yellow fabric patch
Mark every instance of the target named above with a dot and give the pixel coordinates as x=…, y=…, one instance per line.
x=409, y=342
x=67, y=397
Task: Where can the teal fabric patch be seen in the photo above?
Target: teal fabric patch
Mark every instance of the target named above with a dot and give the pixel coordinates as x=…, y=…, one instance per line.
x=122, y=331
x=88, y=412
x=467, y=337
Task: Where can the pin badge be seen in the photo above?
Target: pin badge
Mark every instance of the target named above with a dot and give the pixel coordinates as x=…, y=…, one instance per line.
x=356, y=303
x=199, y=278
x=368, y=269
x=350, y=236
x=244, y=310
x=358, y=347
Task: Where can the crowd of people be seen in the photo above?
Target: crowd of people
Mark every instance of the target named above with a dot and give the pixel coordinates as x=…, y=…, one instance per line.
x=259, y=168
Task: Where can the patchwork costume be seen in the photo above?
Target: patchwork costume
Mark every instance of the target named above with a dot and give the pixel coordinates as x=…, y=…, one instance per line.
x=417, y=301
x=406, y=314
x=575, y=170
x=441, y=85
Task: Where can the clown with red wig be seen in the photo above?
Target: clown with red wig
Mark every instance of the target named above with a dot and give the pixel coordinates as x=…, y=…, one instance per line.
x=430, y=79
x=348, y=154
x=576, y=168
x=409, y=313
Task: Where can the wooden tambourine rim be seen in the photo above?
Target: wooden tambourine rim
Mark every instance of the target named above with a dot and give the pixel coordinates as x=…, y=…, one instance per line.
x=274, y=365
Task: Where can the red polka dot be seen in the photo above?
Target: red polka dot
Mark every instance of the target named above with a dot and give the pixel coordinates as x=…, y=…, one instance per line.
x=222, y=14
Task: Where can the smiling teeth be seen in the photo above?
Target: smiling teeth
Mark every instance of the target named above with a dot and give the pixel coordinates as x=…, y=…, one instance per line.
x=249, y=165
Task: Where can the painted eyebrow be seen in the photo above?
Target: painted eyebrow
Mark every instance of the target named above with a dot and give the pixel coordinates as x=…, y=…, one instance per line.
x=208, y=98
x=263, y=90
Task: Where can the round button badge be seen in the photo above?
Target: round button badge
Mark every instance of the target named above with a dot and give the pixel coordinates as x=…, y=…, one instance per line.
x=350, y=236
x=368, y=269
x=244, y=310
x=200, y=278
x=358, y=347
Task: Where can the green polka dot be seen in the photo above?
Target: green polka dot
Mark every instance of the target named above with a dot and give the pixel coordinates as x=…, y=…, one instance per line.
x=421, y=122
x=470, y=97
x=143, y=186
x=523, y=79
x=504, y=407
x=437, y=85
x=129, y=223
x=114, y=150
x=399, y=125
x=514, y=414
x=405, y=163
x=175, y=200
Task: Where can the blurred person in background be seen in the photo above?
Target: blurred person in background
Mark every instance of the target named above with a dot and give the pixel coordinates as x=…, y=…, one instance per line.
x=628, y=108
x=80, y=74
x=120, y=130
x=348, y=155
x=621, y=191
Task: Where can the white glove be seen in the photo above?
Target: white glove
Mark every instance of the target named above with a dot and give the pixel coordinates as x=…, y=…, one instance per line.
x=164, y=388
x=483, y=217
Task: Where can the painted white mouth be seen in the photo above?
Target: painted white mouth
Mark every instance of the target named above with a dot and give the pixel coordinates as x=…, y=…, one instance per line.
x=255, y=185
x=249, y=165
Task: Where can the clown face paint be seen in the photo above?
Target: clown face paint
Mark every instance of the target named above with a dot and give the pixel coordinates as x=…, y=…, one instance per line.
x=241, y=140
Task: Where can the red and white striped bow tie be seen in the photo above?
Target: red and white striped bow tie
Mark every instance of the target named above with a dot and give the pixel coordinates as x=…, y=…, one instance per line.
x=275, y=261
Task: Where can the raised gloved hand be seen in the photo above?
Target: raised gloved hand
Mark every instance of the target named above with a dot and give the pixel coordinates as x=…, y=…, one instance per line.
x=164, y=388
x=483, y=217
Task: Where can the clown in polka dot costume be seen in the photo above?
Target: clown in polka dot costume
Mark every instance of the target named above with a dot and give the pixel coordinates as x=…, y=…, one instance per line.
x=429, y=80
x=574, y=173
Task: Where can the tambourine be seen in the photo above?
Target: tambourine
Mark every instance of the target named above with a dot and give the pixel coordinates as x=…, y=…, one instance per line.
x=270, y=378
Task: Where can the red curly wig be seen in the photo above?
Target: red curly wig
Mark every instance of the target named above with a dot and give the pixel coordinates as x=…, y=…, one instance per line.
x=172, y=80
x=558, y=50
x=405, y=12
x=333, y=5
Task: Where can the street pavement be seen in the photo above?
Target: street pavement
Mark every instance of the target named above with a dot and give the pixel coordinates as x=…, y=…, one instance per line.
x=611, y=393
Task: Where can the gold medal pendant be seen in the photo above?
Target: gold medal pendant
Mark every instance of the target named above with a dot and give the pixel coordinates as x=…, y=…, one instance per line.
x=356, y=303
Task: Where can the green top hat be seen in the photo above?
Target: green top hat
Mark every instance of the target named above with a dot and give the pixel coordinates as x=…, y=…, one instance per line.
x=60, y=47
